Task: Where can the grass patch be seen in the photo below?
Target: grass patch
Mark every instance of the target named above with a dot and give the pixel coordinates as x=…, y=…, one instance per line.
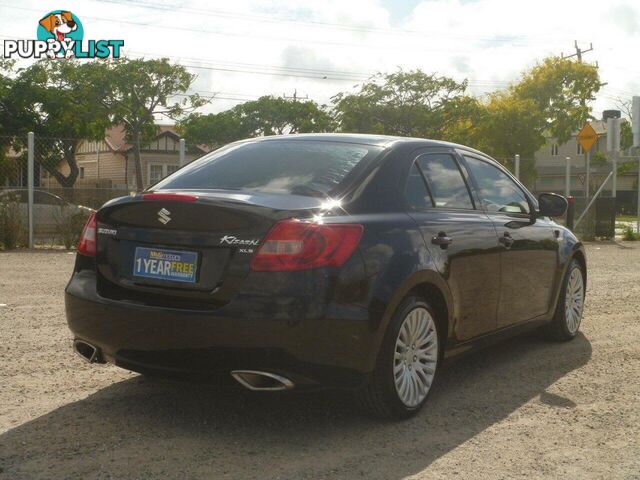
x=630, y=234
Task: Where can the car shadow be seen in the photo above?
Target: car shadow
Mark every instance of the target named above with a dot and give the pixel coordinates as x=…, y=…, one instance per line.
x=142, y=428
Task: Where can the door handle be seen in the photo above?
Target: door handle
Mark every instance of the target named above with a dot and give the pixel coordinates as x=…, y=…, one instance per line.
x=506, y=240
x=442, y=240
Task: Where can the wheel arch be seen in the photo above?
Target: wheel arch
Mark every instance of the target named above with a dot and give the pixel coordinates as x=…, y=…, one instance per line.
x=579, y=255
x=436, y=299
x=430, y=286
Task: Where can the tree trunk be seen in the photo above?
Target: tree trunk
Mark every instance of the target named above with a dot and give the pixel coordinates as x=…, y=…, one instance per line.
x=50, y=164
x=137, y=161
x=68, y=181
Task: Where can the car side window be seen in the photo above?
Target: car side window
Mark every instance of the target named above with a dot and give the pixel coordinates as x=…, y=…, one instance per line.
x=497, y=191
x=445, y=181
x=416, y=190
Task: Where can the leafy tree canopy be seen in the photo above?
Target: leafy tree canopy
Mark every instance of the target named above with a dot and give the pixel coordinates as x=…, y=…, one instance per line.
x=266, y=116
x=135, y=92
x=561, y=90
x=410, y=103
x=44, y=100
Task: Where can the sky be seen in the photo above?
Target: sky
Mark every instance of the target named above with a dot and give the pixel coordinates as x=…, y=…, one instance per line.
x=243, y=49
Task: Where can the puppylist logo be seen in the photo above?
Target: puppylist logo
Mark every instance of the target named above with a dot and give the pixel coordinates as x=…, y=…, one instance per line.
x=61, y=35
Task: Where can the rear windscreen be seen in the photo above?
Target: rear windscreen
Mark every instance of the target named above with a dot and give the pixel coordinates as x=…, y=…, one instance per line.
x=297, y=167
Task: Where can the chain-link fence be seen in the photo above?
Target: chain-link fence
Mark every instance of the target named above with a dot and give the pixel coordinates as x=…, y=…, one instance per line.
x=71, y=177
x=603, y=217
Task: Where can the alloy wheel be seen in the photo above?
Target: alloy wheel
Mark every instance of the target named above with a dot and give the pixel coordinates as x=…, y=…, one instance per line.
x=574, y=300
x=416, y=357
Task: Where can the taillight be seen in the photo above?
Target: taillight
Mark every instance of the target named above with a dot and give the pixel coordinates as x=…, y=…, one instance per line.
x=298, y=245
x=87, y=244
x=171, y=197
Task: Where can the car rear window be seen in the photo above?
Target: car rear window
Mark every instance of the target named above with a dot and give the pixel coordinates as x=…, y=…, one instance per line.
x=296, y=167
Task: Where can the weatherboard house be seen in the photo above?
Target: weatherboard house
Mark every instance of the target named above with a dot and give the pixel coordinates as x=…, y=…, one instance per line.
x=109, y=163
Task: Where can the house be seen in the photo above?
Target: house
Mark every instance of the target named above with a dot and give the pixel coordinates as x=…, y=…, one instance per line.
x=109, y=163
x=551, y=161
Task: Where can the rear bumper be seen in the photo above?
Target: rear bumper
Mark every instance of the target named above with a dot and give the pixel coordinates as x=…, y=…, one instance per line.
x=332, y=346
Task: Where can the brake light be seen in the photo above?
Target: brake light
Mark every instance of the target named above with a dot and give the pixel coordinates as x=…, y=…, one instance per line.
x=87, y=244
x=297, y=245
x=171, y=197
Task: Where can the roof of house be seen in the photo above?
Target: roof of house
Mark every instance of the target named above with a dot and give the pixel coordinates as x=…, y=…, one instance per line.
x=116, y=137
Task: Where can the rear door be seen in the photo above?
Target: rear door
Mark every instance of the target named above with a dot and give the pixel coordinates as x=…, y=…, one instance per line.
x=529, y=248
x=461, y=238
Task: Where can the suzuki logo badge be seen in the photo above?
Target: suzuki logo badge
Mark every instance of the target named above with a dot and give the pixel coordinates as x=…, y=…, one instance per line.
x=163, y=216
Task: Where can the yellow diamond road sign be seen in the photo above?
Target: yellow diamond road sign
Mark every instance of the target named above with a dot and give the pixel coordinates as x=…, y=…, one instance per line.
x=587, y=137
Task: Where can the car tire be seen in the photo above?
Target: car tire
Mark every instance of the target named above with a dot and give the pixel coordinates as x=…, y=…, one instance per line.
x=568, y=314
x=403, y=378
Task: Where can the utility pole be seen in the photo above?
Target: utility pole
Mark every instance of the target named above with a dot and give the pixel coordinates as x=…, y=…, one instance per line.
x=587, y=154
x=579, y=51
x=635, y=128
x=613, y=146
x=295, y=96
x=30, y=183
x=567, y=178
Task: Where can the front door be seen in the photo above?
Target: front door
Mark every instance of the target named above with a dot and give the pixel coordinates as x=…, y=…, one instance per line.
x=461, y=239
x=529, y=255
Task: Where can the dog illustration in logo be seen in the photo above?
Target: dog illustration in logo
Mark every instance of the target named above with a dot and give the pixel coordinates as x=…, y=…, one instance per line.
x=59, y=25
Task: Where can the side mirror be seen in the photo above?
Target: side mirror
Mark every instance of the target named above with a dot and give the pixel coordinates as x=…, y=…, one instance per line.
x=552, y=205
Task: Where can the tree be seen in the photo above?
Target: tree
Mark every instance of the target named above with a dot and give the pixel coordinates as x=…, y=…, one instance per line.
x=266, y=116
x=5, y=115
x=6, y=83
x=58, y=113
x=277, y=116
x=214, y=129
x=561, y=90
x=409, y=103
x=626, y=135
x=137, y=91
x=551, y=99
x=510, y=125
x=17, y=115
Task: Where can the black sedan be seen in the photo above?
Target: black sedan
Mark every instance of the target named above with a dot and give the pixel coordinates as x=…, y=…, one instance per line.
x=345, y=261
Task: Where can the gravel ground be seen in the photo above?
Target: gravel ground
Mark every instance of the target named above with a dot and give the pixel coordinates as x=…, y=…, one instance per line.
x=522, y=409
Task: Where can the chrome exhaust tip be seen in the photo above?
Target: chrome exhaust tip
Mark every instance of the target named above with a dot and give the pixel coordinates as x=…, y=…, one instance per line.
x=262, y=381
x=87, y=351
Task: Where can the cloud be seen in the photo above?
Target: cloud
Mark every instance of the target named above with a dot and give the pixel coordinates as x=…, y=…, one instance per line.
x=235, y=44
x=626, y=17
x=461, y=64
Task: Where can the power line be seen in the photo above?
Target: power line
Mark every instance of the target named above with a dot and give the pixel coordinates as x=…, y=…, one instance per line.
x=260, y=69
x=240, y=65
x=121, y=21
x=356, y=28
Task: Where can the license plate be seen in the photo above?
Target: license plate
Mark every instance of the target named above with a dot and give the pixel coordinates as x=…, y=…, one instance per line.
x=163, y=264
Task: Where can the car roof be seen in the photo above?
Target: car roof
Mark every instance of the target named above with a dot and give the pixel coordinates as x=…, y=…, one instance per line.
x=366, y=139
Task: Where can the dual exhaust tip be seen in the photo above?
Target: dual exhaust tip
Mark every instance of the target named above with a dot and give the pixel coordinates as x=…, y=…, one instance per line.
x=262, y=381
x=252, y=379
x=87, y=351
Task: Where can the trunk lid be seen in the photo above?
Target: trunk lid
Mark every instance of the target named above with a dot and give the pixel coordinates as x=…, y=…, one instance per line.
x=222, y=229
